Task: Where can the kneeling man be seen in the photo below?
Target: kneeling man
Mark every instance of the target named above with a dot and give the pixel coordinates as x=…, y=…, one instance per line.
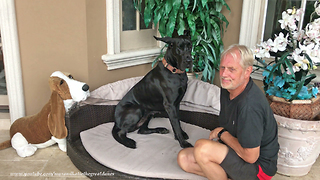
x=247, y=146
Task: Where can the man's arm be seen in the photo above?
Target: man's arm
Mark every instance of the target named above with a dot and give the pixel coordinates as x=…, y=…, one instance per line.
x=249, y=155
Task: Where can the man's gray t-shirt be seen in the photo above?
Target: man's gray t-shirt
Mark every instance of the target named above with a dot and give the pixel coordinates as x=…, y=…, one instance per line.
x=249, y=118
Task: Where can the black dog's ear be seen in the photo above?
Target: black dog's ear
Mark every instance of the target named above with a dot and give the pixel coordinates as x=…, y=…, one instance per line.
x=167, y=40
x=186, y=33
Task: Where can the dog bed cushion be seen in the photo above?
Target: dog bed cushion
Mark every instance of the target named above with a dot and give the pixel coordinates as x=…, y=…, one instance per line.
x=200, y=96
x=155, y=155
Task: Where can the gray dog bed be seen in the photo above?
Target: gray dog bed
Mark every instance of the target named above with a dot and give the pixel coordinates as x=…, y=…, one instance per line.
x=93, y=150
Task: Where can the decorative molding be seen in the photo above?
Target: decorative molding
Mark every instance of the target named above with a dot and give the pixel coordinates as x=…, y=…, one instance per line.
x=297, y=124
x=130, y=58
x=11, y=55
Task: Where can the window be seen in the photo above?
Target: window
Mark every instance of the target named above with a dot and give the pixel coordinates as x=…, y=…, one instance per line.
x=260, y=21
x=274, y=13
x=129, y=42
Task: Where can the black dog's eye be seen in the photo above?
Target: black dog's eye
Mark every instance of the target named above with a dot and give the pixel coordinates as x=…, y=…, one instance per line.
x=70, y=76
x=61, y=82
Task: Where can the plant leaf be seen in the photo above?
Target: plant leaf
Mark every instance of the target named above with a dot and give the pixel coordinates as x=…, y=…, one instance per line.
x=168, y=7
x=157, y=14
x=171, y=24
x=148, y=11
x=191, y=23
x=180, y=23
x=204, y=2
x=278, y=81
x=223, y=2
x=186, y=4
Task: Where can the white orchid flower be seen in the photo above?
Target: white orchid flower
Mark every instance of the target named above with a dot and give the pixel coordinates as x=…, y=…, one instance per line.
x=287, y=21
x=294, y=68
x=266, y=44
x=296, y=52
x=298, y=35
x=264, y=49
x=298, y=14
x=315, y=54
x=313, y=30
x=280, y=43
x=301, y=60
x=307, y=47
x=315, y=59
x=261, y=53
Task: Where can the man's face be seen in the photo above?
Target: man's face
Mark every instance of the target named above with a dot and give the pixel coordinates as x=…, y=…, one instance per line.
x=232, y=75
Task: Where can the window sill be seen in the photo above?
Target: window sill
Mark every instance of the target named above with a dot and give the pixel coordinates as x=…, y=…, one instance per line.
x=257, y=75
x=130, y=58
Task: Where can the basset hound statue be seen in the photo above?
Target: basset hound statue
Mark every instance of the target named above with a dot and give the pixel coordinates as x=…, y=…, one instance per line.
x=48, y=126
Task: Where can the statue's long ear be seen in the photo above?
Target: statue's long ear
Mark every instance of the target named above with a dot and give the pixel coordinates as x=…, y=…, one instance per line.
x=167, y=40
x=56, y=121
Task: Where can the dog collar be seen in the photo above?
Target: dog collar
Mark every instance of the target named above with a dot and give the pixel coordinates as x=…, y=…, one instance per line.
x=171, y=68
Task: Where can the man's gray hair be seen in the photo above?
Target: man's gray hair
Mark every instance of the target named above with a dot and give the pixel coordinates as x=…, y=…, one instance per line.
x=246, y=54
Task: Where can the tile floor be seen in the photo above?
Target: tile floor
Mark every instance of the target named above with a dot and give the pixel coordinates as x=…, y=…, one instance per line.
x=53, y=164
x=49, y=163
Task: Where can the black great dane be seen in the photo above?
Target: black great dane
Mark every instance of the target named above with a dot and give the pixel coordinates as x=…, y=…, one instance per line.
x=161, y=89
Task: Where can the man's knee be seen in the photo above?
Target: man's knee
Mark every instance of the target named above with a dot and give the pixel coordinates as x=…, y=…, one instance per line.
x=201, y=149
x=209, y=151
x=182, y=159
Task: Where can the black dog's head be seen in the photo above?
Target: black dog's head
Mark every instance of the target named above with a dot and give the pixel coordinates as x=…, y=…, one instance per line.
x=179, y=51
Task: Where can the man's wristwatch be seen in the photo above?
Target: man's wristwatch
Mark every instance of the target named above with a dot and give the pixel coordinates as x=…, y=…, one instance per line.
x=220, y=133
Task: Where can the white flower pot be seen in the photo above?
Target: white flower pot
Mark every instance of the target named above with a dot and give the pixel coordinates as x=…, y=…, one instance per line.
x=299, y=145
x=195, y=75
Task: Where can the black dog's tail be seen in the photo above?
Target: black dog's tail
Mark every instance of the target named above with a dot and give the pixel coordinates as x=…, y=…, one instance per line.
x=121, y=137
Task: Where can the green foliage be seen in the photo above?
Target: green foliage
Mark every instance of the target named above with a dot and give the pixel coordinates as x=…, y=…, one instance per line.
x=204, y=20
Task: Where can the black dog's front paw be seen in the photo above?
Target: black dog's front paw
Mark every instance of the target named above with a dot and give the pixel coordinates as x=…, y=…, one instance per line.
x=154, y=130
x=185, y=144
x=130, y=143
x=162, y=130
x=184, y=135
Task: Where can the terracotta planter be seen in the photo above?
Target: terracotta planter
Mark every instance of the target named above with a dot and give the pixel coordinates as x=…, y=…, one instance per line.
x=296, y=109
x=299, y=145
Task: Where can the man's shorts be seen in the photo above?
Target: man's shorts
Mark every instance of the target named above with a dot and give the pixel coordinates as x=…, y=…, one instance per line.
x=236, y=168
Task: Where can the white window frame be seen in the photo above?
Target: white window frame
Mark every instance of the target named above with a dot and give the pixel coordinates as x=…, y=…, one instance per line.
x=12, y=61
x=115, y=59
x=252, y=26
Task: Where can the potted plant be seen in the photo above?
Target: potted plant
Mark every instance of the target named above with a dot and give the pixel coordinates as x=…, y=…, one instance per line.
x=203, y=19
x=292, y=95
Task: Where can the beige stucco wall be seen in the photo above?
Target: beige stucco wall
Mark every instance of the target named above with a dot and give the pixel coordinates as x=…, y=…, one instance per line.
x=71, y=36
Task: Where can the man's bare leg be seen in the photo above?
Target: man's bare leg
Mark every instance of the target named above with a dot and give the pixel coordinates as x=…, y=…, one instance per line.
x=204, y=159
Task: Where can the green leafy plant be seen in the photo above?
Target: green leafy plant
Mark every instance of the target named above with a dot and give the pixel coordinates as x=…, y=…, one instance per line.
x=204, y=20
